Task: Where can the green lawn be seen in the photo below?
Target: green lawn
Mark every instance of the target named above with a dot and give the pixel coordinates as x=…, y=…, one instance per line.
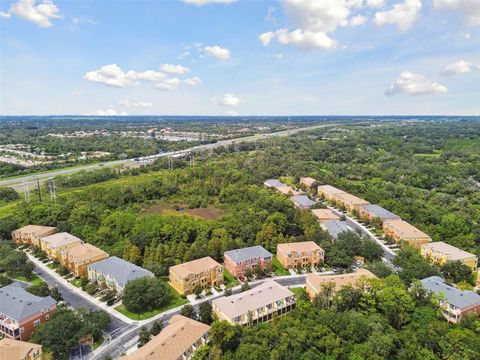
x=279, y=269
x=298, y=291
x=176, y=301
x=52, y=266
x=34, y=280
x=229, y=280
x=97, y=343
x=76, y=282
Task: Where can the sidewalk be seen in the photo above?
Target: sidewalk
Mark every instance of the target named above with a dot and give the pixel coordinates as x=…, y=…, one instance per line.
x=79, y=291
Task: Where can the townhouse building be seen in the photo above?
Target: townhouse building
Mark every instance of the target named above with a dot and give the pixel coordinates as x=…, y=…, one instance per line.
x=77, y=258
x=315, y=283
x=308, y=182
x=177, y=341
x=256, y=305
x=204, y=272
x=281, y=187
x=335, y=227
x=454, y=303
x=350, y=202
x=372, y=211
x=325, y=214
x=328, y=192
x=239, y=261
x=116, y=272
x=302, y=202
x=21, y=312
x=404, y=233
x=31, y=234
x=300, y=254
x=19, y=350
x=440, y=253
x=54, y=244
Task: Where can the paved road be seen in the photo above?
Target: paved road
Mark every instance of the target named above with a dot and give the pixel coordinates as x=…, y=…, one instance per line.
x=30, y=180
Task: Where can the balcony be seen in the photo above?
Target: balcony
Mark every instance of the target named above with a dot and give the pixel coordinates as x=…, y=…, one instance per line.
x=8, y=323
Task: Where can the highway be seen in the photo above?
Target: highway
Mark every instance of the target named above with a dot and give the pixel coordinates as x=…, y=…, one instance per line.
x=31, y=180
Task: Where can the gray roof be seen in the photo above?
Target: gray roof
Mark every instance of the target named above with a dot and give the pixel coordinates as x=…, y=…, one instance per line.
x=302, y=200
x=335, y=227
x=253, y=252
x=380, y=212
x=122, y=271
x=454, y=296
x=19, y=304
x=273, y=183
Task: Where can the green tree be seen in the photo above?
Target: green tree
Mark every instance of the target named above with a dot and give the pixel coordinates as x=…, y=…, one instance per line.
x=188, y=311
x=205, y=313
x=145, y=294
x=157, y=327
x=456, y=271
x=143, y=336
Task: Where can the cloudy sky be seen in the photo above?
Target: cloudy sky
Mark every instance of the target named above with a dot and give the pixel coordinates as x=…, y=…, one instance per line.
x=215, y=57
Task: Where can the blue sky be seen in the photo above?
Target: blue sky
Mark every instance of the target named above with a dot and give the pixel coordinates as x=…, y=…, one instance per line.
x=215, y=57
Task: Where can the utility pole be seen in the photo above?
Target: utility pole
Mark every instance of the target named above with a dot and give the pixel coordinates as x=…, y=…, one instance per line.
x=26, y=191
x=170, y=163
x=39, y=191
x=52, y=188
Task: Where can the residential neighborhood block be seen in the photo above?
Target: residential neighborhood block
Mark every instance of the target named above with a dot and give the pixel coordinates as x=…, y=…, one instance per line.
x=403, y=232
x=177, y=341
x=31, y=234
x=325, y=214
x=239, y=260
x=77, y=258
x=116, y=272
x=328, y=192
x=21, y=312
x=300, y=254
x=440, y=253
x=204, y=272
x=19, y=350
x=302, y=202
x=255, y=305
x=351, y=202
x=335, y=227
x=372, y=211
x=54, y=244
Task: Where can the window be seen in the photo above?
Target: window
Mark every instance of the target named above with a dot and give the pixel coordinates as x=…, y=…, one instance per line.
x=36, y=322
x=22, y=330
x=47, y=317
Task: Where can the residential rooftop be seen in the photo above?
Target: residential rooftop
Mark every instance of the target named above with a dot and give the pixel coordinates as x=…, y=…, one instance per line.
x=299, y=247
x=459, y=298
x=325, y=214
x=335, y=227
x=60, y=239
x=176, y=338
x=329, y=189
x=378, y=211
x=38, y=230
x=253, y=252
x=85, y=251
x=340, y=280
x=19, y=304
x=122, y=271
x=309, y=181
x=302, y=200
x=452, y=252
x=351, y=199
x=11, y=349
x=261, y=295
x=405, y=229
x=195, y=266
x=274, y=183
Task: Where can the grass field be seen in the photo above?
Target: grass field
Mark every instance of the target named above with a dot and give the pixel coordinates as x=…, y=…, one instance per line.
x=279, y=269
x=229, y=280
x=176, y=301
x=298, y=291
x=76, y=282
x=35, y=279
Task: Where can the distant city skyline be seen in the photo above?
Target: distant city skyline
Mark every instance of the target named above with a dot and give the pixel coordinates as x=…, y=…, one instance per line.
x=235, y=57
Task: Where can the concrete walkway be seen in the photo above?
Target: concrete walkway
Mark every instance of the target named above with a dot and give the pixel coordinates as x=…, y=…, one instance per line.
x=79, y=291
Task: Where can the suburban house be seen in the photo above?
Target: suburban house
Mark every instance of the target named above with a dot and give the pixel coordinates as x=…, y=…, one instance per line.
x=335, y=227
x=31, y=234
x=351, y=202
x=315, y=282
x=302, y=202
x=204, y=272
x=79, y=257
x=325, y=214
x=177, y=341
x=455, y=303
x=238, y=261
x=328, y=192
x=255, y=305
x=372, y=211
x=115, y=272
x=54, y=244
x=19, y=350
x=440, y=252
x=403, y=232
x=308, y=182
x=21, y=312
x=300, y=254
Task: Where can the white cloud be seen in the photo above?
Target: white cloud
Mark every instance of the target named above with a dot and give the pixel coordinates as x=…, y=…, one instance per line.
x=375, y=4
x=469, y=8
x=231, y=113
x=414, y=84
x=458, y=67
x=270, y=16
x=78, y=21
x=40, y=14
x=358, y=20
x=174, y=69
x=108, y=112
x=228, y=99
x=193, y=81
x=217, y=52
x=135, y=104
x=313, y=21
x=207, y=2
x=168, y=84
x=402, y=15
x=113, y=75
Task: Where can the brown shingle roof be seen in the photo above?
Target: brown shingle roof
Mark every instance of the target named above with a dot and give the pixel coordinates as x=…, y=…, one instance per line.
x=172, y=341
x=85, y=251
x=194, y=266
x=325, y=214
x=452, y=252
x=351, y=199
x=16, y=350
x=302, y=246
x=404, y=229
x=37, y=230
x=340, y=280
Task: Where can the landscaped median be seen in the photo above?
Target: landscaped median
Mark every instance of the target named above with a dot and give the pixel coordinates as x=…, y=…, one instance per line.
x=175, y=300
